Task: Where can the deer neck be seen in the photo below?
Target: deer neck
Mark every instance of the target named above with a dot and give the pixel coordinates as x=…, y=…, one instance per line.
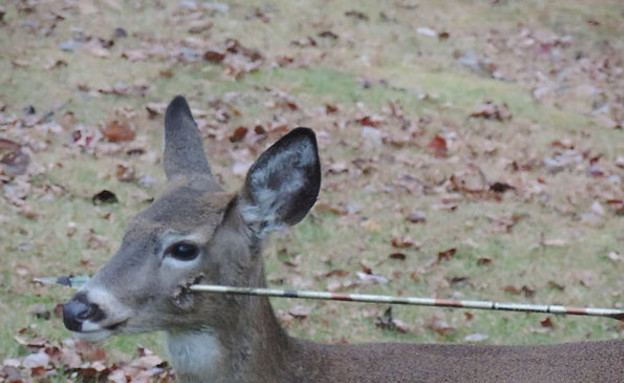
x=253, y=343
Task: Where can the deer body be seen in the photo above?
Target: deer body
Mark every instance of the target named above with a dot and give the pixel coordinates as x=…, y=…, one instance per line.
x=195, y=232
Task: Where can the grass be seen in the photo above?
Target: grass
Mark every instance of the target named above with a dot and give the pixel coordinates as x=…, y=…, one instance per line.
x=402, y=66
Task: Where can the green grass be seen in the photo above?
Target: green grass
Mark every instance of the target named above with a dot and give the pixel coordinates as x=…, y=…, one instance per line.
x=421, y=75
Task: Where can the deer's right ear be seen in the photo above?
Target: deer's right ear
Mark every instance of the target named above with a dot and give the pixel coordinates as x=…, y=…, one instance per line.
x=184, y=151
x=283, y=184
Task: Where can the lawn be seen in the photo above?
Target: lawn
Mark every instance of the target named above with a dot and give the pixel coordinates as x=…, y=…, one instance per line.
x=470, y=150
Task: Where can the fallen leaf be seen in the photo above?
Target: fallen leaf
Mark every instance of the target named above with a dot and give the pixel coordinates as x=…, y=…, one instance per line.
x=331, y=109
x=239, y=134
x=511, y=290
x=20, y=63
x=556, y=286
x=214, y=56
x=328, y=35
x=614, y=256
x=199, y=26
x=548, y=323
x=369, y=121
x=501, y=187
x=12, y=374
x=337, y=168
x=124, y=172
x=528, y=292
x=475, y=338
x=70, y=358
x=155, y=109
x=371, y=279
x=13, y=160
x=416, y=216
x=491, y=111
x=387, y=322
x=336, y=273
x=554, y=242
x=414, y=276
x=459, y=281
x=323, y=207
x=284, y=317
x=439, y=146
x=40, y=359
x=402, y=242
x=117, y=376
x=426, y=31
x=300, y=311
x=596, y=208
x=357, y=15
x=147, y=361
x=104, y=197
x=398, y=256
x=444, y=35
x=116, y=131
x=484, y=261
x=440, y=326
x=446, y=255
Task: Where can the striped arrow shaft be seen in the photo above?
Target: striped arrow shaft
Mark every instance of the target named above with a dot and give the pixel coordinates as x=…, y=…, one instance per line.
x=466, y=304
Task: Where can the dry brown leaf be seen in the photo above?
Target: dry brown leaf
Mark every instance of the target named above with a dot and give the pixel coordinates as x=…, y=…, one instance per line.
x=438, y=146
x=116, y=131
x=491, y=111
x=124, y=172
x=440, y=326
x=446, y=255
x=484, y=261
x=155, y=109
x=556, y=286
x=238, y=134
x=402, y=242
x=548, y=323
x=398, y=256
x=214, y=56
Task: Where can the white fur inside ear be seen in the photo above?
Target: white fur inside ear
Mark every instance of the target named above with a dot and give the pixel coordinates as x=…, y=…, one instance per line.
x=288, y=166
x=262, y=212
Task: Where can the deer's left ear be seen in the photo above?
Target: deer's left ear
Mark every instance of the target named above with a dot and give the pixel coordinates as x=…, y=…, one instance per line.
x=283, y=184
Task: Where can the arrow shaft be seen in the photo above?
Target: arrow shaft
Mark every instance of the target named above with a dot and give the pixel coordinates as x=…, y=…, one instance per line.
x=370, y=298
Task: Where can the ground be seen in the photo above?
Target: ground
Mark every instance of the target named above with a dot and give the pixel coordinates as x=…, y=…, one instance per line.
x=470, y=149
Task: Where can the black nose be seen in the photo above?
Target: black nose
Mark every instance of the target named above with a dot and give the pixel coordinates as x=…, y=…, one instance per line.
x=78, y=310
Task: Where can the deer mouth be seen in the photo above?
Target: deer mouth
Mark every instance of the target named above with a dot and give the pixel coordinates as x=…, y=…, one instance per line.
x=95, y=332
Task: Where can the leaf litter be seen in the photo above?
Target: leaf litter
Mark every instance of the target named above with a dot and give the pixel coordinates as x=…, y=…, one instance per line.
x=82, y=361
x=490, y=155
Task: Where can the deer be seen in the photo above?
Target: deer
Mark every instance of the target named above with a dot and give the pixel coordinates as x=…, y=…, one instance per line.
x=195, y=232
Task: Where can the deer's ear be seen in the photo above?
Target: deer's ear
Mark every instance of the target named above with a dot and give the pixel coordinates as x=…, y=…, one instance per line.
x=283, y=184
x=184, y=151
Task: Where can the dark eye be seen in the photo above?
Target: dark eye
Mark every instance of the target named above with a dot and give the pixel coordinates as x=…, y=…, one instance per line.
x=183, y=251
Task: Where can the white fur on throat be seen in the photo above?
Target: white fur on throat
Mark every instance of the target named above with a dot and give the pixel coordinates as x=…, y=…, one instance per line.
x=195, y=355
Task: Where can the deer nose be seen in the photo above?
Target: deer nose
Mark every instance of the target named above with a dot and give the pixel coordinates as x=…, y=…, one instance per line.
x=79, y=310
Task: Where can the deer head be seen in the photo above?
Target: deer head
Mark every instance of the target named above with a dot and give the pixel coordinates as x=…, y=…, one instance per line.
x=196, y=232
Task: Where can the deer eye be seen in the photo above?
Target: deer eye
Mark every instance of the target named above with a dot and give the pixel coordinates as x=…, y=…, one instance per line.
x=183, y=251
